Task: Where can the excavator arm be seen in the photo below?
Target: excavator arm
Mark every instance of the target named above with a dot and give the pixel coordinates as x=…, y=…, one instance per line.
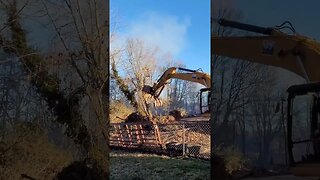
x=172, y=73
x=295, y=53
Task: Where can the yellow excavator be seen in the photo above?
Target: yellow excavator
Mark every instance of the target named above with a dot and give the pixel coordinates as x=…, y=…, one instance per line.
x=296, y=53
x=183, y=74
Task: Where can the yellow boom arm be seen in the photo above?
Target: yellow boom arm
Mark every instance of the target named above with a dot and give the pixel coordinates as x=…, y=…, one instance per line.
x=295, y=53
x=171, y=73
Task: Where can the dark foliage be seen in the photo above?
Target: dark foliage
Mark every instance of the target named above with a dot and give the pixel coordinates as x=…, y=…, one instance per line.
x=78, y=170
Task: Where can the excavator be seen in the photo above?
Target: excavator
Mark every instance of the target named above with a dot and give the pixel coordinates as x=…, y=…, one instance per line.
x=291, y=51
x=184, y=74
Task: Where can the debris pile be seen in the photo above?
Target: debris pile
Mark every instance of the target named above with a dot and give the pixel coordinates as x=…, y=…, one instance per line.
x=176, y=114
x=167, y=119
x=136, y=117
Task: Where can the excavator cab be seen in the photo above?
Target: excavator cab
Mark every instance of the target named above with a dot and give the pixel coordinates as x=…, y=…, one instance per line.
x=205, y=100
x=307, y=163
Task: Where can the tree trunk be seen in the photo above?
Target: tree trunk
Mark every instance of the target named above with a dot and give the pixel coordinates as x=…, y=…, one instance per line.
x=99, y=125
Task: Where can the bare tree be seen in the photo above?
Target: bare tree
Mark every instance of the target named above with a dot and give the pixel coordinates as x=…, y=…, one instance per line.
x=266, y=124
x=242, y=97
x=138, y=65
x=82, y=34
x=141, y=66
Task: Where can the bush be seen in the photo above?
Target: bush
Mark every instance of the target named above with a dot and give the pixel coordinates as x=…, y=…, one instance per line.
x=26, y=149
x=79, y=170
x=233, y=159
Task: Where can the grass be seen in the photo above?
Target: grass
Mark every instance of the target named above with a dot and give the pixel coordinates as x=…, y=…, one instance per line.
x=137, y=166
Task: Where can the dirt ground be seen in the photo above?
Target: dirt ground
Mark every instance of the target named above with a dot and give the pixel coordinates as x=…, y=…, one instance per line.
x=199, y=118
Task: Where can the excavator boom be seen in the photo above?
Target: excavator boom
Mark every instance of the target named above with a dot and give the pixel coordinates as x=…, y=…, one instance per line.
x=171, y=73
x=187, y=75
x=295, y=53
x=246, y=27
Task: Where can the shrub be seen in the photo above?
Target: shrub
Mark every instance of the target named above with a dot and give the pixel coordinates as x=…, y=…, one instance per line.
x=79, y=170
x=233, y=159
x=26, y=150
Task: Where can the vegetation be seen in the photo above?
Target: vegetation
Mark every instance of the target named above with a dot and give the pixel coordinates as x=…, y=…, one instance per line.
x=68, y=79
x=233, y=159
x=134, y=65
x=26, y=149
x=119, y=111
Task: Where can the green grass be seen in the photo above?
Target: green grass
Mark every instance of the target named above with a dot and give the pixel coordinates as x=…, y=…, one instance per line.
x=137, y=166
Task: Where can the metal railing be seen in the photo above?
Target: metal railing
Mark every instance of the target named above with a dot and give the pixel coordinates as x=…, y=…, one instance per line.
x=184, y=138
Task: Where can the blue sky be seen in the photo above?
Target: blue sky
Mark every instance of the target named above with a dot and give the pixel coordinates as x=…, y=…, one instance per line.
x=304, y=15
x=181, y=27
x=185, y=24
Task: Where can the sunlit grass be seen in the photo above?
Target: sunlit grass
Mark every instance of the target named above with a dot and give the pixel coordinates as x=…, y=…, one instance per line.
x=130, y=166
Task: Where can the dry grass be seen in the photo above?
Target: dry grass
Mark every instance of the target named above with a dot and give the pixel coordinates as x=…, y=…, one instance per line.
x=234, y=159
x=119, y=109
x=175, y=134
x=27, y=150
x=200, y=139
